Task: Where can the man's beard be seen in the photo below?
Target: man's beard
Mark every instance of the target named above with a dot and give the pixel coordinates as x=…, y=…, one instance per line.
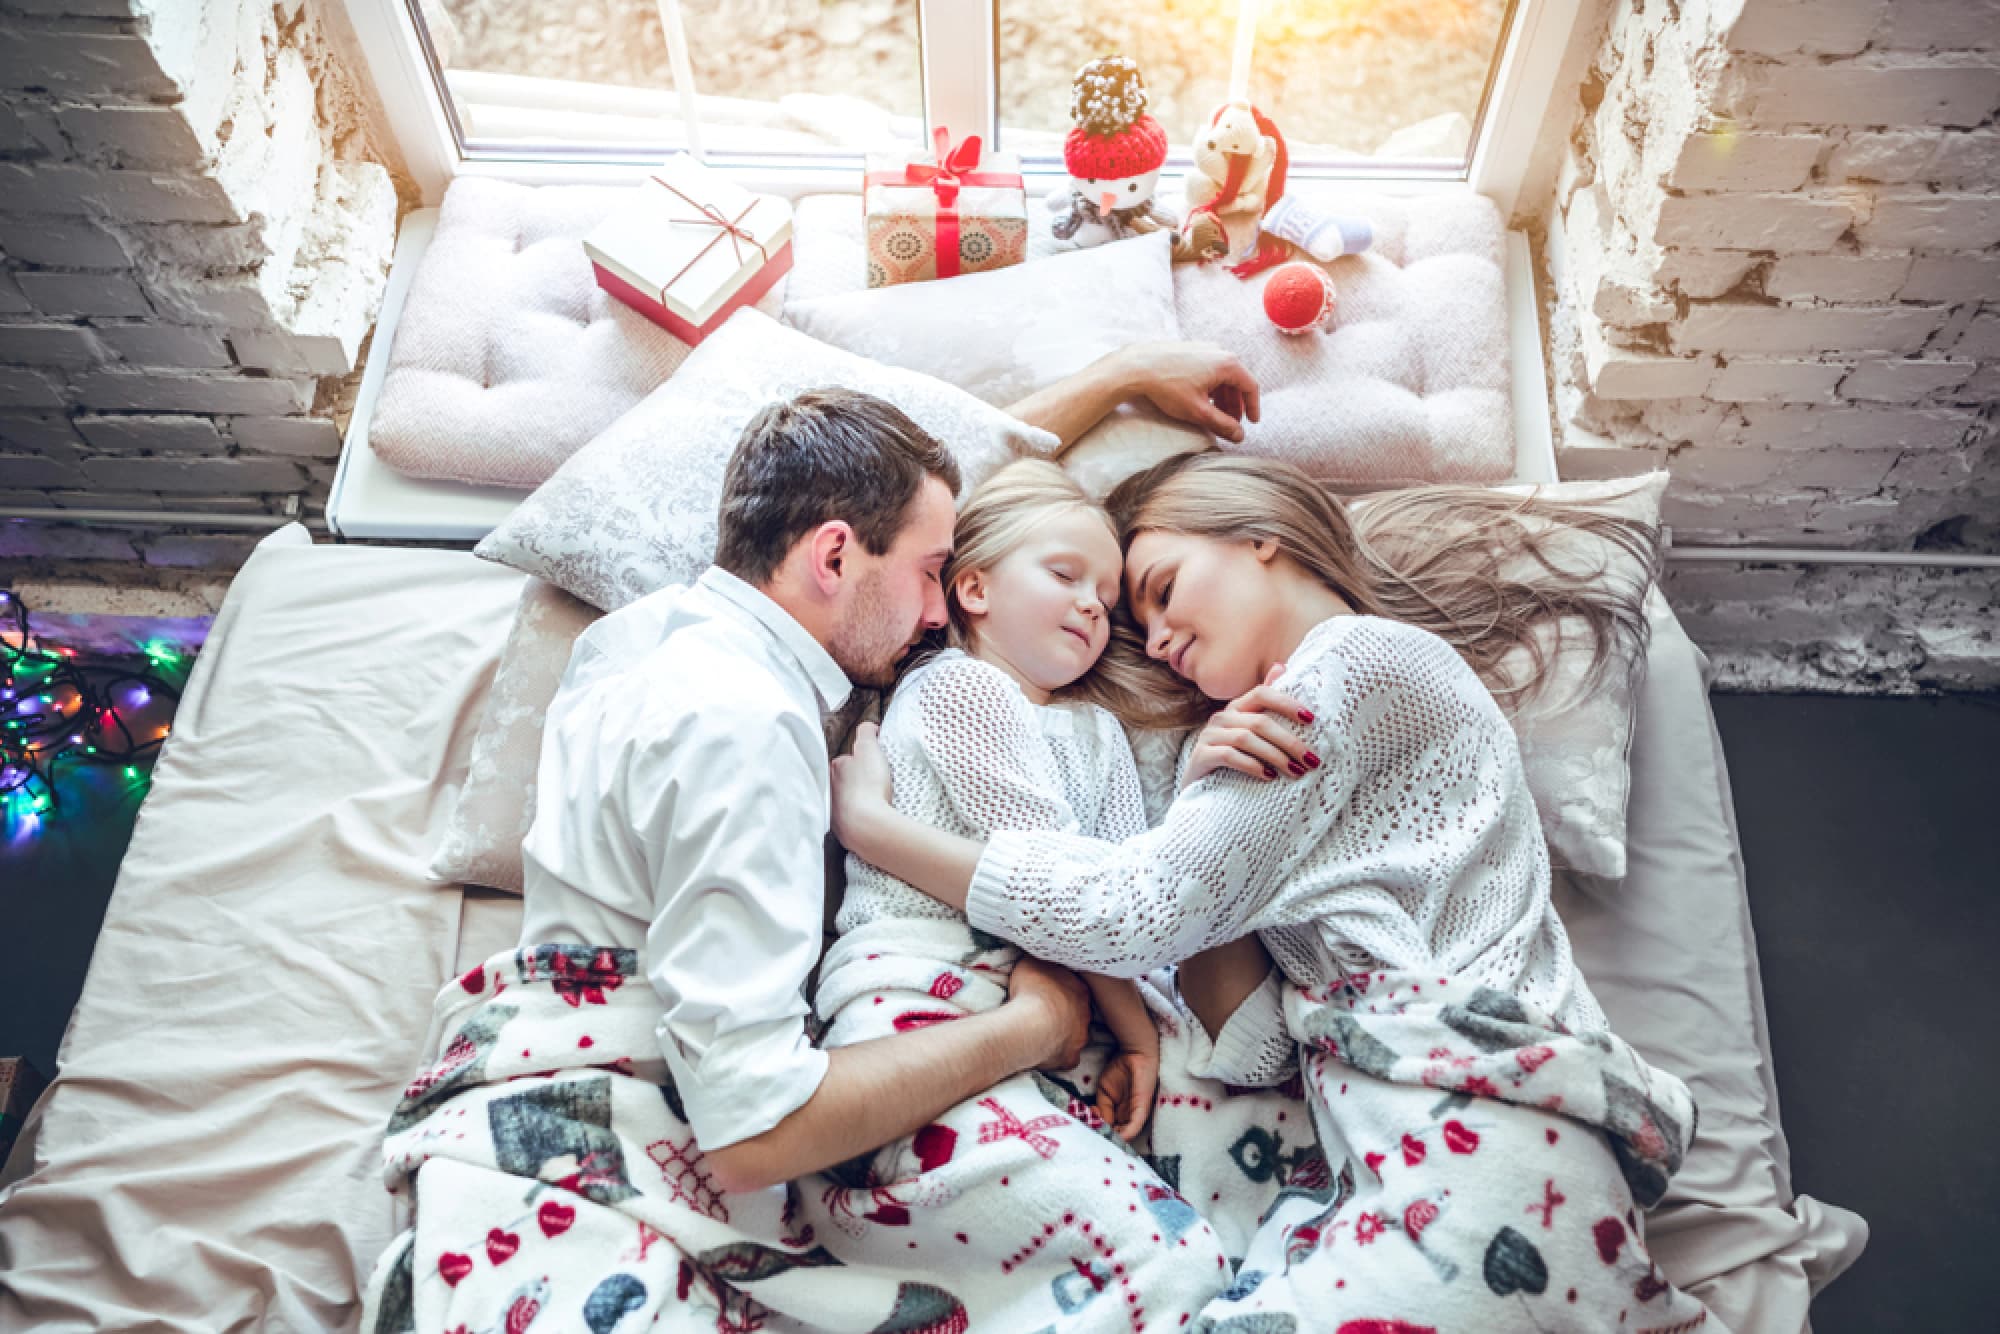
x=866, y=644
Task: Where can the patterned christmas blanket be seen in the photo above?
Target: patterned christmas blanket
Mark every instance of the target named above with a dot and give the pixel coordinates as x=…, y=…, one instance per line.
x=1228, y=1150
x=1495, y=1166
x=557, y=1186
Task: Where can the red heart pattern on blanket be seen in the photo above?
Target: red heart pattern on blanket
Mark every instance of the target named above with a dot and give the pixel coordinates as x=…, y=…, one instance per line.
x=1609, y=1234
x=1459, y=1137
x=889, y=1215
x=935, y=1145
x=554, y=1217
x=1417, y=1217
x=453, y=1266
x=474, y=980
x=1374, y=1161
x=500, y=1246
x=522, y=1314
x=1413, y=1150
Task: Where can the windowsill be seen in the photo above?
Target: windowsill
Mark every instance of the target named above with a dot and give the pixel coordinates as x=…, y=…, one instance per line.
x=373, y=501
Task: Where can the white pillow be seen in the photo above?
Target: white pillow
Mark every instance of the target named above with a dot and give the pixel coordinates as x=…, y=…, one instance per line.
x=1577, y=747
x=1131, y=438
x=1003, y=334
x=1036, y=323
x=636, y=508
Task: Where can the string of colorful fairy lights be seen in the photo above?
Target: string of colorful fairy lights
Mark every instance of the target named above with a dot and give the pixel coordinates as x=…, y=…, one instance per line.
x=59, y=710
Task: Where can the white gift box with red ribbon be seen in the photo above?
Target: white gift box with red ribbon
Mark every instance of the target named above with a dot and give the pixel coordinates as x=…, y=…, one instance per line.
x=692, y=248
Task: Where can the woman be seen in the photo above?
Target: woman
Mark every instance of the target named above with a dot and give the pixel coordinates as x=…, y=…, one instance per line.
x=1452, y=1052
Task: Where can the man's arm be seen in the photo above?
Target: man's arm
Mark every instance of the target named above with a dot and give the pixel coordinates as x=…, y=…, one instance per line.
x=1191, y=382
x=890, y=1087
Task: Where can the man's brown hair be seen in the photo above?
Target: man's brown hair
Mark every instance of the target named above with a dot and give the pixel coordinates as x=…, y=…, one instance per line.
x=826, y=454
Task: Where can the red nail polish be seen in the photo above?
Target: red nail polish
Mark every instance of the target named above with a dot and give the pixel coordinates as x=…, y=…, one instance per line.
x=1305, y=716
x=1269, y=772
x=1297, y=768
x=1312, y=760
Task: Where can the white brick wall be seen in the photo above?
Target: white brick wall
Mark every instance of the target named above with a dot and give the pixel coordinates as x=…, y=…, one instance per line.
x=184, y=258
x=1773, y=267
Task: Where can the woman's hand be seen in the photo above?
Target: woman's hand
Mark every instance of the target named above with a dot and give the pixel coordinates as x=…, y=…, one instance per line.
x=862, y=791
x=1127, y=1089
x=1252, y=736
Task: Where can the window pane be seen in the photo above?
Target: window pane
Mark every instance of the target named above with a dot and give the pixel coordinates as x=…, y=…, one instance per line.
x=1345, y=80
x=784, y=76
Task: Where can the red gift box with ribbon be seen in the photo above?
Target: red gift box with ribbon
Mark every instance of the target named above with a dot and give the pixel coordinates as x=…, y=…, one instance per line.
x=692, y=248
x=961, y=210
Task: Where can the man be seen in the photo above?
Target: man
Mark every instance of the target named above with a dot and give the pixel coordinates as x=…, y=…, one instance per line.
x=624, y=1124
x=706, y=708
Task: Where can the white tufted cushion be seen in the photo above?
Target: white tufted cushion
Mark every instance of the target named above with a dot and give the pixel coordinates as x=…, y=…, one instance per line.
x=508, y=357
x=1410, y=383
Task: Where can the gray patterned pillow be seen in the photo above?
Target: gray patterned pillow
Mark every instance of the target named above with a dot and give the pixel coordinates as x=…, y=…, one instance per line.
x=636, y=508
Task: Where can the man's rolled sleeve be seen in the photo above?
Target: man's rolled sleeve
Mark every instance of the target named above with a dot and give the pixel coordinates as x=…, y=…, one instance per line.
x=745, y=1083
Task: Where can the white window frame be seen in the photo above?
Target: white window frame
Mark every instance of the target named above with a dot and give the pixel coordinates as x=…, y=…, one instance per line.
x=961, y=76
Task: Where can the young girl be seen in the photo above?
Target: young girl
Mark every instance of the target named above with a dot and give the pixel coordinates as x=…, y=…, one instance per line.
x=991, y=731
x=1497, y=1136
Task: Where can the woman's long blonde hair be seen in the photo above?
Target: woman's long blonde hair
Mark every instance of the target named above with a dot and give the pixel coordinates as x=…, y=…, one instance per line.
x=1002, y=514
x=1449, y=559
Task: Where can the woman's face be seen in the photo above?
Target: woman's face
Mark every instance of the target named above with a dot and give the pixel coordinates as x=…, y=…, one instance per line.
x=1044, y=610
x=1209, y=608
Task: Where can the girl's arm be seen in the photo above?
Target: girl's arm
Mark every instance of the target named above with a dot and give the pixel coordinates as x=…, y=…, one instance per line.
x=1124, y=1013
x=1130, y=1082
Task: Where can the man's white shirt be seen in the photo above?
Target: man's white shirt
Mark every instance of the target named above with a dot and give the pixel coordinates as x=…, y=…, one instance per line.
x=681, y=803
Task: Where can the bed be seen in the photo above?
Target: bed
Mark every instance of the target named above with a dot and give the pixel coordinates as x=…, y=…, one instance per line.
x=207, y=1157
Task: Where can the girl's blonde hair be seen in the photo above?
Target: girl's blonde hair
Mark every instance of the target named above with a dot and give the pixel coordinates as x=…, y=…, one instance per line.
x=1487, y=571
x=1002, y=514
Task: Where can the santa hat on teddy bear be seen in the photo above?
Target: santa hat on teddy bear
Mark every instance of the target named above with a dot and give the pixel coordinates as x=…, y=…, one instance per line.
x=1114, y=138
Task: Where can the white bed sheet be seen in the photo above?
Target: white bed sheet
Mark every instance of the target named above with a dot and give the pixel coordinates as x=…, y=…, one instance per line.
x=207, y=1157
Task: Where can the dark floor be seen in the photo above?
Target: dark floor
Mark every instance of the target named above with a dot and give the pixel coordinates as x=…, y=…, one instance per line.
x=1871, y=832
x=1872, y=835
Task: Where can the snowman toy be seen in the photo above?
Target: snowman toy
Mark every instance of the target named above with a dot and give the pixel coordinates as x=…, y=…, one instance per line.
x=1114, y=157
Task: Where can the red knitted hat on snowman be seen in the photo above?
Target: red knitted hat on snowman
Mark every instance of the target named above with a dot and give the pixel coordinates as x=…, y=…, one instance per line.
x=1114, y=137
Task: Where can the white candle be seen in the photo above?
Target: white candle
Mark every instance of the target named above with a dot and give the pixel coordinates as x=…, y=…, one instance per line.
x=1246, y=38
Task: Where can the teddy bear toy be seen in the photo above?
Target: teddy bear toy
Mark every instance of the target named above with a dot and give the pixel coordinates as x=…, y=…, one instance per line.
x=1239, y=171
x=1114, y=156
x=1237, y=206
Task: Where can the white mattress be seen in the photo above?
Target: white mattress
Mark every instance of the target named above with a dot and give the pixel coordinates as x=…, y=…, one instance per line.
x=207, y=1156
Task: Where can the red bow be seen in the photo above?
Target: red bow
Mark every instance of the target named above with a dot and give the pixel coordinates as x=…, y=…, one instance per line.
x=954, y=168
x=953, y=165
x=712, y=216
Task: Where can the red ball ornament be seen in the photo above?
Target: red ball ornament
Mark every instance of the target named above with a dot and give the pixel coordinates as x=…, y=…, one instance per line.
x=1298, y=297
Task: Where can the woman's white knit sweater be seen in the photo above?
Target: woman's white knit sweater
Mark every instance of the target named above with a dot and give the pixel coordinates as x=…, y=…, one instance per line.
x=1415, y=845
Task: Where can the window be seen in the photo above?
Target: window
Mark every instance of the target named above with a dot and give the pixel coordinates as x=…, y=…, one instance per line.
x=1352, y=83
x=1427, y=93
x=523, y=77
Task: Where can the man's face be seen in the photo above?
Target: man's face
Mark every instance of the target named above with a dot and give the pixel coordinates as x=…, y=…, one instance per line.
x=895, y=597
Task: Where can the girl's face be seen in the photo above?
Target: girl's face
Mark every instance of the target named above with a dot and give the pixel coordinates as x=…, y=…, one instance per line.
x=1210, y=609
x=1043, y=613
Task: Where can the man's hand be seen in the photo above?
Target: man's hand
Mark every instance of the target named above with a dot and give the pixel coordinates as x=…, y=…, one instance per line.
x=862, y=790
x=1065, y=1001
x=1198, y=383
